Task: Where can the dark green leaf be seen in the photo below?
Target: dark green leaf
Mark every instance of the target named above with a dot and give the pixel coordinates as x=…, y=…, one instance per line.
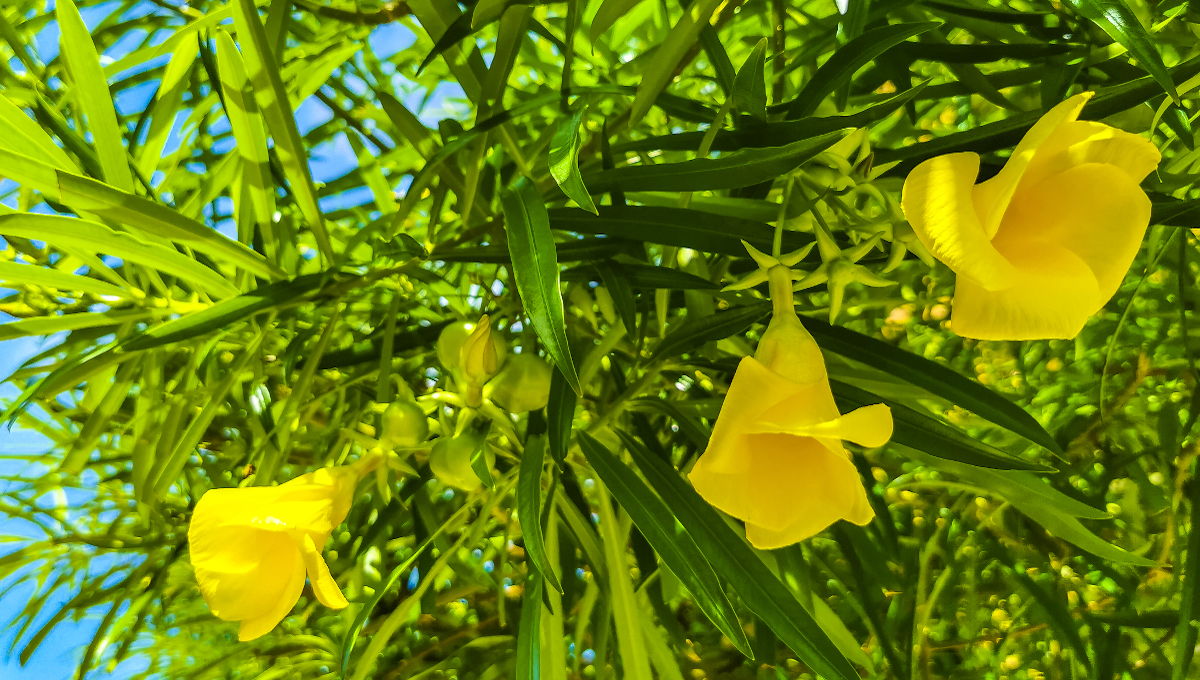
x=846, y=61
x=560, y=412
x=1117, y=20
x=676, y=227
x=932, y=377
x=643, y=276
x=529, y=508
x=620, y=290
x=529, y=643
x=750, y=85
x=919, y=431
x=739, y=169
x=564, y=162
x=761, y=591
x=692, y=333
x=669, y=539
x=535, y=267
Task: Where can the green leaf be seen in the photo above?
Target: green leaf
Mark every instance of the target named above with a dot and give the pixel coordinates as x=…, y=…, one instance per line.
x=682, y=36
x=642, y=276
x=846, y=61
x=535, y=267
x=226, y=313
x=761, y=591
x=91, y=90
x=924, y=433
x=932, y=377
x=607, y=15
x=156, y=219
x=529, y=637
x=455, y=33
x=166, y=104
x=630, y=640
x=621, y=291
x=560, y=413
x=692, y=333
x=94, y=237
x=277, y=112
x=676, y=227
x=564, y=162
x=739, y=169
x=750, y=84
x=669, y=539
x=45, y=325
x=23, y=135
x=529, y=508
x=1117, y=20
x=16, y=274
x=1189, y=600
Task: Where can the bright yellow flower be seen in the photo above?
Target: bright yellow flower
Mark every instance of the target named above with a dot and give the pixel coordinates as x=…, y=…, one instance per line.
x=252, y=547
x=775, y=459
x=1045, y=243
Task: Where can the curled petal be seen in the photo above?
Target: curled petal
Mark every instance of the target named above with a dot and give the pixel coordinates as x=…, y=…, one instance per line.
x=326, y=589
x=992, y=197
x=869, y=426
x=938, y=203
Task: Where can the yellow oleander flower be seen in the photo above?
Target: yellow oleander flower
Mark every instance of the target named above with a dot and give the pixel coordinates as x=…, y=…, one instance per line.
x=1045, y=243
x=252, y=547
x=775, y=459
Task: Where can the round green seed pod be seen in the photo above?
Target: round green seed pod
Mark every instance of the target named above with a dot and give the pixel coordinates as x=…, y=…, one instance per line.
x=450, y=460
x=523, y=385
x=404, y=424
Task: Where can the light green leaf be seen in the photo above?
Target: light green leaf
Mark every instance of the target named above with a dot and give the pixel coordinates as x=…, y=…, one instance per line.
x=564, y=162
x=667, y=56
x=535, y=267
x=16, y=274
x=750, y=84
x=25, y=136
x=97, y=238
x=91, y=91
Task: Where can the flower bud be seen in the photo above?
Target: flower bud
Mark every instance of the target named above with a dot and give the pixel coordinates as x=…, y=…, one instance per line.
x=450, y=460
x=523, y=385
x=472, y=354
x=404, y=424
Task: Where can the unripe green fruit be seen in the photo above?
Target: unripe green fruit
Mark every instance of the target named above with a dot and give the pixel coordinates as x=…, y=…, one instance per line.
x=404, y=424
x=523, y=385
x=450, y=460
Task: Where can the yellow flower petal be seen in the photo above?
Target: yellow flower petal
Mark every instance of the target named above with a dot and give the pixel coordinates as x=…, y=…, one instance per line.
x=807, y=526
x=1080, y=142
x=326, y=589
x=938, y=203
x=795, y=486
x=257, y=627
x=241, y=579
x=992, y=197
x=1054, y=296
x=869, y=426
x=1096, y=211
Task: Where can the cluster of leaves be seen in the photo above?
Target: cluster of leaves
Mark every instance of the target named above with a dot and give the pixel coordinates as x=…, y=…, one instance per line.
x=241, y=225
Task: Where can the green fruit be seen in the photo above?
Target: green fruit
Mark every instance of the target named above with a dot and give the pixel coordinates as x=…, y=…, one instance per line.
x=404, y=424
x=450, y=460
x=450, y=343
x=523, y=385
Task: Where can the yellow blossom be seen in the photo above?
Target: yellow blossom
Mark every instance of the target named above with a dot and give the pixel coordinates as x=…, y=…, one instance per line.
x=1045, y=243
x=252, y=547
x=775, y=459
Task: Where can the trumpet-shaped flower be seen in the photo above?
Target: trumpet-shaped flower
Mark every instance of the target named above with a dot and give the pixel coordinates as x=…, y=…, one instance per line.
x=775, y=459
x=252, y=547
x=1045, y=243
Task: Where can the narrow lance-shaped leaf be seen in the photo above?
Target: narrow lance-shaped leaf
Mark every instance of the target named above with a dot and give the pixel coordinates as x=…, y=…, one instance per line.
x=750, y=84
x=529, y=508
x=667, y=56
x=535, y=267
x=673, y=544
x=762, y=592
x=273, y=102
x=91, y=91
x=692, y=333
x=848, y=59
x=529, y=642
x=167, y=103
x=1117, y=20
x=24, y=135
x=564, y=162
